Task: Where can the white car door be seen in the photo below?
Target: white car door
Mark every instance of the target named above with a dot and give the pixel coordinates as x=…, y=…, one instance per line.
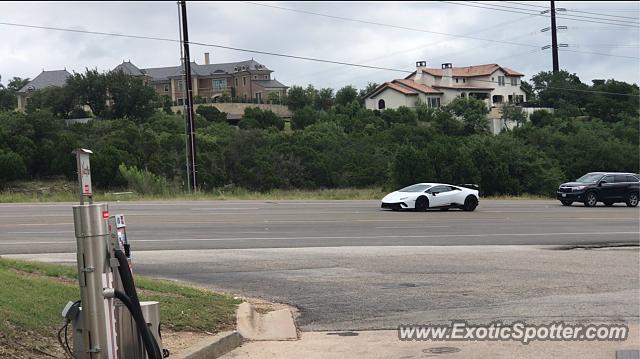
x=438, y=196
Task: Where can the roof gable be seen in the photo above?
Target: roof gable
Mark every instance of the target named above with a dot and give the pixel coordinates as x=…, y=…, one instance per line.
x=46, y=79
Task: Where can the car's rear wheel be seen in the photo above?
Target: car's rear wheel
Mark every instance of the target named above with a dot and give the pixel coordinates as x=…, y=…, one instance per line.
x=632, y=199
x=608, y=204
x=566, y=203
x=590, y=199
x=470, y=203
x=422, y=203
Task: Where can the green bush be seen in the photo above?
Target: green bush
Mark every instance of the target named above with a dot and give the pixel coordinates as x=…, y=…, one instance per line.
x=143, y=181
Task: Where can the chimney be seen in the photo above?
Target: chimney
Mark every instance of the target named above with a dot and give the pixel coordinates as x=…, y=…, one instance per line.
x=206, y=58
x=420, y=65
x=447, y=73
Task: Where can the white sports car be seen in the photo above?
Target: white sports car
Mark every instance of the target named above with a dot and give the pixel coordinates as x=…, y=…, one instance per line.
x=422, y=196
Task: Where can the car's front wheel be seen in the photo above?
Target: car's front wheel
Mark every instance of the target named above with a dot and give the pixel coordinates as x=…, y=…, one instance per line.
x=566, y=203
x=470, y=203
x=422, y=203
x=590, y=199
x=632, y=199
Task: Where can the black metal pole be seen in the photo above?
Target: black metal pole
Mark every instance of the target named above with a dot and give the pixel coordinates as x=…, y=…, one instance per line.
x=554, y=39
x=189, y=100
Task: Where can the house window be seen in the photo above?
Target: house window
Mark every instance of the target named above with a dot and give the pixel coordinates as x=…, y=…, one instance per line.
x=244, y=81
x=381, y=104
x=166, y=88
x=433, y=102
x=236, y=82
x=456, y=80
x=464, y=80
x=500, y=80
x=259, y=97
x=180, y=85
x=514, y=81
x=255, y=77
x=180, y=102
x=266, y=77
x=219, y=84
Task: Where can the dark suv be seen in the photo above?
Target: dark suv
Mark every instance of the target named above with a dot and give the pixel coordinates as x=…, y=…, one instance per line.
x=605, y=187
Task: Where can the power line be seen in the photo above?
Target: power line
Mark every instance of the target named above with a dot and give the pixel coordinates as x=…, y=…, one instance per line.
x=602, y=54
x=574, y=10
x=387, y=25
x=263, y=53
x=425, y=45
x=635, y=22
x=527, y=11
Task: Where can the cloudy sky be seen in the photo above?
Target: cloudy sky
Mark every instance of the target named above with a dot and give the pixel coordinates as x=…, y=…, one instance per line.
x=433, y=31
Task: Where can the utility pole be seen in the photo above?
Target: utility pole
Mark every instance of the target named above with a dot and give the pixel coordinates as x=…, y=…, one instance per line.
x=191, y=131
x=554, y=38
x=554, y=35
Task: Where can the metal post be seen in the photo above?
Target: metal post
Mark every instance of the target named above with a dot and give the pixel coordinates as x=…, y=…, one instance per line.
x=189, y=98
x=90, y=222
x=554, y=39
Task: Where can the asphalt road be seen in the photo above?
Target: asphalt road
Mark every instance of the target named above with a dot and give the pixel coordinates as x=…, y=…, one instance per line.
x=47, y=228
x=349, y=265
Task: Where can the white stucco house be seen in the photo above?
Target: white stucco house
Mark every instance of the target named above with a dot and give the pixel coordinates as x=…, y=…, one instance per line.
x=492, y=83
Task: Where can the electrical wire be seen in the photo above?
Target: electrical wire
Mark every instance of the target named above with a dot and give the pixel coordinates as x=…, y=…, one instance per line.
x=388, y=25
x=527, y=11
x=259, y=52
x=581, y=10
x=635, y=22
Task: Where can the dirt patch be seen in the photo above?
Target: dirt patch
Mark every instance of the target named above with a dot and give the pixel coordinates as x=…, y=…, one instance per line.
x=179, y=342
x=23, y=345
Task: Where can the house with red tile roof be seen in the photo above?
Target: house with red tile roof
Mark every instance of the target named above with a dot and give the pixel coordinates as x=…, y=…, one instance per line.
x=492, y=83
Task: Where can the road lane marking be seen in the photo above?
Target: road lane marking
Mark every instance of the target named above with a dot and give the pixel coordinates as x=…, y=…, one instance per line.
x=173, y=240
x=402, y=227
x=50, y=232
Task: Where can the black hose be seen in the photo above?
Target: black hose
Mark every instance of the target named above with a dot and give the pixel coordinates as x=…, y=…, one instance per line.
x=150, y=343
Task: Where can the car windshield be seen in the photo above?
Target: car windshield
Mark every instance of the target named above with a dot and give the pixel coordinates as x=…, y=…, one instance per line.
x=589, y=178
x=415, y=188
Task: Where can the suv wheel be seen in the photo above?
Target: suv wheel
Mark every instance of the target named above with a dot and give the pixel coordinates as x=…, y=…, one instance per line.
x=590, y=199
x=566, y=203
x=632, y=199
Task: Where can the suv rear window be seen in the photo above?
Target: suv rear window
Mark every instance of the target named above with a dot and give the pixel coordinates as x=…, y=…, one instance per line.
x=632, y=179
x=621, y=178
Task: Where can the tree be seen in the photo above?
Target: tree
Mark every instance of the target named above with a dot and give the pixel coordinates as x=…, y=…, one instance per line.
x=304, y=117
x=324, y=100
x=254, y=117
x=16, y=83
x=613, y=101
x=363, y=93
x=541, y=118
x=130, y=96
x=11, y=167
x=472, y=112
x=513, y=113
x=529, y=92
x=297, y=98
x=90, y=89
x=211, y=114
x=562, y=91
x=346, y=95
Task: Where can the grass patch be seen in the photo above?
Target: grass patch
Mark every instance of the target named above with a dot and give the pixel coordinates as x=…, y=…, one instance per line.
x=62, y=191
x=33, y=295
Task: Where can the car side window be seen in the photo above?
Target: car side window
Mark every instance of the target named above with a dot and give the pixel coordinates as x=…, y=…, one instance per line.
x=632, y=179
x=438, y=189
x=620, y=178
x=608, y=179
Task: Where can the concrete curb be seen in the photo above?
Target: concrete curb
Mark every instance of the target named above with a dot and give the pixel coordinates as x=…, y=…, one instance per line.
x=215, y=347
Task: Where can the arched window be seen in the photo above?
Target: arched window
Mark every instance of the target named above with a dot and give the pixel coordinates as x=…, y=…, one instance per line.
x=381, y=104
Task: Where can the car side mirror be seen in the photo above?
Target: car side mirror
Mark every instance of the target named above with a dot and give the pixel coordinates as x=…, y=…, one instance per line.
x=601, y=183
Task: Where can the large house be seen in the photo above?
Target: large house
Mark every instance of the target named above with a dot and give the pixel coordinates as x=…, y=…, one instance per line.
x=435, y=87
x=43, y=80
x=244, y=80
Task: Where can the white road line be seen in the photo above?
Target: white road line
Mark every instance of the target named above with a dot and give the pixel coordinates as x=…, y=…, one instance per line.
x=402, y=227
x=351, y=237
x=50, y=232
x=221, y=208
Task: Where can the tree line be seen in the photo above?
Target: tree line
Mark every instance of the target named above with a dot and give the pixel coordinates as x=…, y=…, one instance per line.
x=331, y=140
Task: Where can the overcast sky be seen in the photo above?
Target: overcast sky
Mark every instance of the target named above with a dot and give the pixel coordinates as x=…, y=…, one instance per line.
x=24, y=52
